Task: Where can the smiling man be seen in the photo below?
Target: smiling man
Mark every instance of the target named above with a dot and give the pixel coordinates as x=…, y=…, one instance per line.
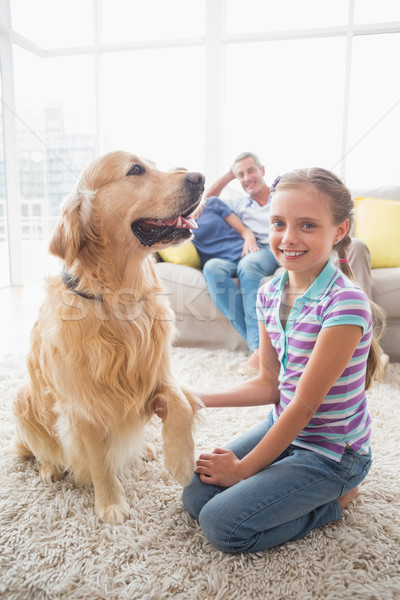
x=256, y=260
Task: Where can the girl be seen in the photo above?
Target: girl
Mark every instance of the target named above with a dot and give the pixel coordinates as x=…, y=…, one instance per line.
x=299, y=468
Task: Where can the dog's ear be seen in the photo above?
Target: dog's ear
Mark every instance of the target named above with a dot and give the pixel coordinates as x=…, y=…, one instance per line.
x=69, y=235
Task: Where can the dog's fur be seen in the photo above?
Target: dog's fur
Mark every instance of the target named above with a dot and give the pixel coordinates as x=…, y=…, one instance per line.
x=99, y=358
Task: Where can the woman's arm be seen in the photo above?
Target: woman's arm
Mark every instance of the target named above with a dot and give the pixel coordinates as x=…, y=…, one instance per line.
x=332, y=352
x=250, y=242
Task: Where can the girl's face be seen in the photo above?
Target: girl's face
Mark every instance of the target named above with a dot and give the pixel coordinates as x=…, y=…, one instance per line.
x=302, y=232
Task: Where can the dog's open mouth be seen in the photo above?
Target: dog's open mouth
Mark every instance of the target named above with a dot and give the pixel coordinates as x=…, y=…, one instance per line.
x=152, y=231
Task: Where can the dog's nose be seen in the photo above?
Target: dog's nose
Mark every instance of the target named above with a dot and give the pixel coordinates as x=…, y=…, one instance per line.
x=196, y=179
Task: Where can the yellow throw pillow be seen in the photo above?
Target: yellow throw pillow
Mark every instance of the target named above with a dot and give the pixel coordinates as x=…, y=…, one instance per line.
x=378, y=224
x=182, y=255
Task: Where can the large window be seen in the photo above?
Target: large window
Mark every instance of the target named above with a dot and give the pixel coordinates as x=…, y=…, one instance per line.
x=54, y=24
x=269, y=15
x=166, y=123
x=188, y=83
x=55, y=130
x=137, y=21
x=374, y=120
x=4, y=247
x=286, y=102
x=371, y=11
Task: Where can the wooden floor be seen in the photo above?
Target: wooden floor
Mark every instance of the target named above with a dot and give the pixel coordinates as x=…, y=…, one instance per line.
x=19, y=307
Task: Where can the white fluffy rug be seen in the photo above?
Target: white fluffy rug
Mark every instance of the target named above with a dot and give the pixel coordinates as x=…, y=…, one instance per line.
x=52, y=546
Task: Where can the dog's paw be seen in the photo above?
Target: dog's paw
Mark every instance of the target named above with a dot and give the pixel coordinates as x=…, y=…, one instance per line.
x=49, y=473
x=19, y=448
x=182, y=470
x=114, y=514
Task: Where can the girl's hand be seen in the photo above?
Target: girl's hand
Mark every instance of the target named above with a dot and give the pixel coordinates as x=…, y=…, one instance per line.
x=221, y=467
x=160, y=407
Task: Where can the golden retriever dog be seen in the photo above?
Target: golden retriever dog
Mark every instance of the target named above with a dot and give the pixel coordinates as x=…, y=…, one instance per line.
x=99, y=359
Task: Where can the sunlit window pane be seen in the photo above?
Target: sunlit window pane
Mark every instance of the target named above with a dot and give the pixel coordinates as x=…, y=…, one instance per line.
x=136, y=20
x=374, y=123
x=4, y=251
x=269, y=15
x=285, y=102
x=55, y=140
x=371, y=11
x=54, y=23
x=157, y=109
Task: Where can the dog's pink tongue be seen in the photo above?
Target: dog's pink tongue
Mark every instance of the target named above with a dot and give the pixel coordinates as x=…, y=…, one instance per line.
x=182, y=222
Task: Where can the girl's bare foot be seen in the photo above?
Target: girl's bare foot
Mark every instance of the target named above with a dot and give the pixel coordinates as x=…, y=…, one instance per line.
x=347, y=498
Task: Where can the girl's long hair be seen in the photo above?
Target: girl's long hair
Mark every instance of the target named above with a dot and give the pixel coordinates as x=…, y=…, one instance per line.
x=342, y=208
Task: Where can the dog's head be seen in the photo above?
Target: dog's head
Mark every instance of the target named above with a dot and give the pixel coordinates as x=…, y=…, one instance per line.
x=123, y=200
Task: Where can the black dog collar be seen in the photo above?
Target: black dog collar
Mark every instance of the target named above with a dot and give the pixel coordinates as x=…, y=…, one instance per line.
x=72, y=283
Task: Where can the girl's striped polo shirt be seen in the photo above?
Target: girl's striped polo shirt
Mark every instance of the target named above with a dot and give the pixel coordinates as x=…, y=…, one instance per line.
x=332, y=299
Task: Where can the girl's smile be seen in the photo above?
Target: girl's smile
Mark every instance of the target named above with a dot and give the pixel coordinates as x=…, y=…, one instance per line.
x=289, y=254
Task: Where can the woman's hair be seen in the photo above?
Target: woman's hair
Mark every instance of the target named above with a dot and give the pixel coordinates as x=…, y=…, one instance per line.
x=342, y=208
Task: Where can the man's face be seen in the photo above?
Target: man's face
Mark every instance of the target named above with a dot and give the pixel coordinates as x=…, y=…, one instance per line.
x=250, y=175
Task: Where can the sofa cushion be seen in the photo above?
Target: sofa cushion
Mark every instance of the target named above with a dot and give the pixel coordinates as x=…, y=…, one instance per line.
x=182, y=255
x=188, y=293
x=198, y=321
x=378, y=224
x=386, y=290
x=390, y=192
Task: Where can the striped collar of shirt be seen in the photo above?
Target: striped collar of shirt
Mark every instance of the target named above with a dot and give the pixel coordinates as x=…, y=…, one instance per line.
x=318, y=288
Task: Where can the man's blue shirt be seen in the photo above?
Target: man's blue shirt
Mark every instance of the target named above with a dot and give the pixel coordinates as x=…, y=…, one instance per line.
x=214, y=238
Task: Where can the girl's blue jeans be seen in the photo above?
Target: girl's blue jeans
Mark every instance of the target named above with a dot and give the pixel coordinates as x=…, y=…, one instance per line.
x=238, y=304
x=298, y=492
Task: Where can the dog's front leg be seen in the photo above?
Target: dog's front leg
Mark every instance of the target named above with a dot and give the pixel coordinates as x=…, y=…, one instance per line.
x=178, y=420
x=110, y=502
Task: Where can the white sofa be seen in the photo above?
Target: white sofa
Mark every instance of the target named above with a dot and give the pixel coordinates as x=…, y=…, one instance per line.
x=200, y=324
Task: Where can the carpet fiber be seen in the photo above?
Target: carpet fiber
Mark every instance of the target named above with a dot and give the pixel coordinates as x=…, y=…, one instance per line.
x=52, y=546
